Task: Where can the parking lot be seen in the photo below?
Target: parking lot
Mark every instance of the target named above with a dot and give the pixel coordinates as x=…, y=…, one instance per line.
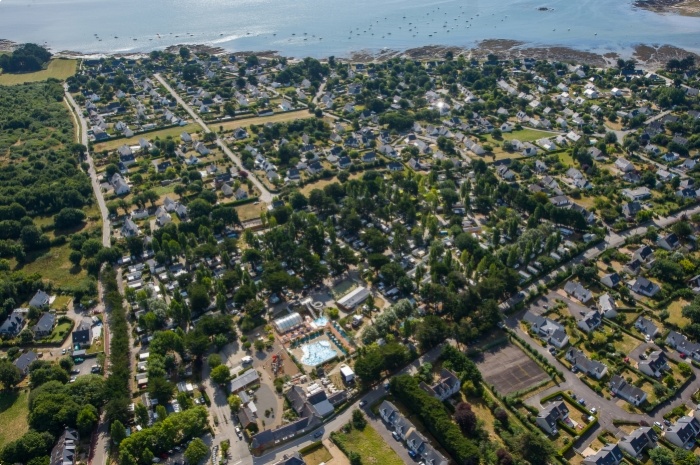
x=509, y=369
x=84, y=367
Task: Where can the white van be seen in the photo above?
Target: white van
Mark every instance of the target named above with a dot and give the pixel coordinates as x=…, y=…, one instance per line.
x=247, y=360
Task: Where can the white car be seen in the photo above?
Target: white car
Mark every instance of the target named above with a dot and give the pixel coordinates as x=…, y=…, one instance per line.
x=593, y=410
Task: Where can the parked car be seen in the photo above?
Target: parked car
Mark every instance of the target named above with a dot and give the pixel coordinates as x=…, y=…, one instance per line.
x=593, y=410
x=412, y=454
x=363, y=403
x=395, y=435
x=318, y=434
x=581, y=401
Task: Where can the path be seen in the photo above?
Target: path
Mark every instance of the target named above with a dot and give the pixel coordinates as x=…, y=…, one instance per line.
x=83, y=128
x=265, y=195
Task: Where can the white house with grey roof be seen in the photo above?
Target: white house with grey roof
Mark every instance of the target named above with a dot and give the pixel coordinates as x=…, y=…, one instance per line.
x=592, y=368
x=547, y=419
x=548, y=330
x=622, y=389
x=638, y=441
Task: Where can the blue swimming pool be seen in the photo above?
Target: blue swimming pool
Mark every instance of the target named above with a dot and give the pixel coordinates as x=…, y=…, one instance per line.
x=316, y=353
x=321, y=321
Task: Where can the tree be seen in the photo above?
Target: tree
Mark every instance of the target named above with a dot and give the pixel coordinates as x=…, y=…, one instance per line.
x=355, y=458
x=69, y=218
x=661, y=456
x=10, y=375
x=75, y=257
x=214, y=360
x=196, y=451
x=234, y=402
x=535, y=448
x=199, y=298
x=117, y=431
x=221, y=374
x=87, y=419
x=432, y=332
x=184, y=53
x=358, y=419
x=466, y=418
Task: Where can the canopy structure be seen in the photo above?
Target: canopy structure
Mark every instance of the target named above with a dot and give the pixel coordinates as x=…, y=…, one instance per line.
x=288, y=323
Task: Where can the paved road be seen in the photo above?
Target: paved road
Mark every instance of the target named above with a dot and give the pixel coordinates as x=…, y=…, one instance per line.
x=265, y=194
x=78, y=114
x=336, y=422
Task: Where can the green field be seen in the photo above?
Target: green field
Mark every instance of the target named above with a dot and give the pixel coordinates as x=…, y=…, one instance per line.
x=59, y=68
x=370, y=445
x=527, y=135
x=53, y=265
x=276, y=118
x=13, y=416
x=162, y=134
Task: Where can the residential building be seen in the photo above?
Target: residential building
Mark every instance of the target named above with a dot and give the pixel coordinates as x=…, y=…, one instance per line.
x=610, y=280
x=655, y=364
x=547, y=419
x=548, y=330
x=610, y=454
x=13, y=324
x=40, y=300
x=447, y=386
x=64, y=452
x=646, y=327
x=25, y=360
x=607, y=306
x=638, y=441
x=82, y=335
x=643, y=286
x=683, y=432
x=241, y=382
x=668, y=242
x=590, y=321
x=578, y=292
x=681, y=343
x=45, y=325
x=622, y=389
x=592, y=368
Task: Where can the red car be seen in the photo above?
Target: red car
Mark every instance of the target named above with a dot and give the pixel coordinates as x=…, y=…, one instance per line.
x=682, y=355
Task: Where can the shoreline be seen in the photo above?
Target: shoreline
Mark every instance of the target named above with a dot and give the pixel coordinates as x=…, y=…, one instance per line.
x=678, y=7
x=649, y=57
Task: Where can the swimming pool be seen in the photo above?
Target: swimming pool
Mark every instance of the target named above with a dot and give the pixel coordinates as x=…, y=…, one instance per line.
x=321, y=321
x=316, y=353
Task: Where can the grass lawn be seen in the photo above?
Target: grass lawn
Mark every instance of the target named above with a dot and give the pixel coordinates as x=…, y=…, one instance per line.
x=627, y=344
x=527, y=135
x=276, y=118
x=96, y=348
x=484, y=414
x=566, y=159
x=675, y=315
x=343, y=287
x=162, y=134
x=53, y=265
x=317, y=455
x=59, y=68
x=13, y=416
x=369, y=445
x=250, y=211
x=61, y=302
x=59, y=333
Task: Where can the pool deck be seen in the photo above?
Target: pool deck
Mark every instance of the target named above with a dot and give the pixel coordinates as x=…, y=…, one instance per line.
x=299, y=352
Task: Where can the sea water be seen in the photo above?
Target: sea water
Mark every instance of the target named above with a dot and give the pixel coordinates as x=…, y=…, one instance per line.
x=322, y=28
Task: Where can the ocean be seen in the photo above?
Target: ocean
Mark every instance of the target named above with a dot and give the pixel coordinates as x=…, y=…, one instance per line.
x=320, y=28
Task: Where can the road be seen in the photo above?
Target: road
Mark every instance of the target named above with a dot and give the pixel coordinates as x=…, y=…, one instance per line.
x=265, y=195
x=338, y=421
x=78, y=115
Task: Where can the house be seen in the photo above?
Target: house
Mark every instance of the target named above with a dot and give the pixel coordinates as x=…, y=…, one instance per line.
x=369, y=157
x=45, y=325
x=622, y=389
x=644, y=287
x=40, y=300
x=395, y=166
x=162, y=216
x=241, y=194
x=609, y=454
x=25, y=360
x=681, y=343
x=64, y=452
x=547, y=419
x=668, y=242
x=271, y=437
x=643, y=253
x=646, y=327
x=294, y=459
x=683, y=432
x=226, y=190
x=129, y=228
x=607, y=306
x=119, y=185
x=82, y=335
x=578, y=292
x=344, y=163
x=610, y=280
x=655, y=364
x=314, y=167
x=639, y=193
x=13, y=324
x=590, y=321
x=592, y=368
x=630, y=209
x=638, y=441
x=548, y=330
x=447, y=386
x=624, y=165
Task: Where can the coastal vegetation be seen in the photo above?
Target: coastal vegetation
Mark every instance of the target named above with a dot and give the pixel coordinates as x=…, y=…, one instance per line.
x=25, y=59
x=58, y=68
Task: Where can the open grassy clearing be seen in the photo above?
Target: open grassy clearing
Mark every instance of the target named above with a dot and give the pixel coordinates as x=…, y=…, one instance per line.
x=675, y=311
x=276, y=118
x=162, y=134
x=58, y=68
x=53, y=265
x=250, y=211
x=14, y=408
x=370, y=446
